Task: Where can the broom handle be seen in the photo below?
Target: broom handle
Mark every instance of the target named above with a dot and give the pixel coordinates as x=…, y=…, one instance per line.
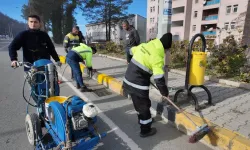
x=182, y=111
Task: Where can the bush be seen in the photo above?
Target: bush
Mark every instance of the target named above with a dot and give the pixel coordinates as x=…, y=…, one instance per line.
x=245, y=73
x=178, y=54
x=109, y=47
x=227, y=60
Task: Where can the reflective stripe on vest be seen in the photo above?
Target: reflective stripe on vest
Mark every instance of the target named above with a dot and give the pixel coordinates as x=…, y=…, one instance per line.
x=158, y=76
x=141, y=66
x=136, y=85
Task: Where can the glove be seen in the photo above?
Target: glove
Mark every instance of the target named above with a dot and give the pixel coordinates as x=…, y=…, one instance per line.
x=14, y=64
x=58, y=63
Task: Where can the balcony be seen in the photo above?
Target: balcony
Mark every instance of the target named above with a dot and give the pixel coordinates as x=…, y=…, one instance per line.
x=178, y=3
x=212, y=17
x=178, y=16
x=209, y=33
x=212, y=2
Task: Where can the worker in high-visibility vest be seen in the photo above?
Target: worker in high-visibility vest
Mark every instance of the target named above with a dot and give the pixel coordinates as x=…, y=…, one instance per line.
x=71, y=40
x=80, y=54
x=147, y=60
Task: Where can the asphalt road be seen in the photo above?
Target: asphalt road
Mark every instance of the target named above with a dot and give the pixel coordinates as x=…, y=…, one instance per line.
x=117, y=116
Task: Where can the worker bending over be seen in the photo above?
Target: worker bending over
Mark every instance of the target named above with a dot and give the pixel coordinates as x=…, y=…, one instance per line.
x=147, y=60
x=76, y=55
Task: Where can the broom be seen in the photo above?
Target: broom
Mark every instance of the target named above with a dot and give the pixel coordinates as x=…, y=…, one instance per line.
x=200, y=132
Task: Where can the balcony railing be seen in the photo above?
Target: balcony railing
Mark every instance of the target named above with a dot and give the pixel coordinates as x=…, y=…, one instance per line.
x=213, y=17
x=212, y=2
x=205, y=33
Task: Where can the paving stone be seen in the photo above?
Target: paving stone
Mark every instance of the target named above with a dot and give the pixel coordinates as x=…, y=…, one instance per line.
x=212, y=116
x=244, y=130
x=220, y=122
x=234, y=126
x=228, y=117
x=244, y=107
x=243, y=118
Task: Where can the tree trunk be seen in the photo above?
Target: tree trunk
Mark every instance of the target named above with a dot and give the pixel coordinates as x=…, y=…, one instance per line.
x=57, y=23
x=109, y=21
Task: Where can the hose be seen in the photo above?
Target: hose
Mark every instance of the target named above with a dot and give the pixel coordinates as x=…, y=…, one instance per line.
x=63, y=72
x=24, y=95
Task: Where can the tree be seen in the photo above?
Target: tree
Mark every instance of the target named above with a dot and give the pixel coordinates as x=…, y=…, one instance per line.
x=106, y=11
x=39, y=8
x=69, y=19
x=9, y=26
x=56, y=15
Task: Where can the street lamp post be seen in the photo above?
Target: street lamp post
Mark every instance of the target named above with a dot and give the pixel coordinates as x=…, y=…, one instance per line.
x=164, y=26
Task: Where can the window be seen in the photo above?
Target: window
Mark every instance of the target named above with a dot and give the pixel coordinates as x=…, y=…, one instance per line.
x=195, y=14
x=194, y=27
x=154, y=9
x=151, y=9
x=196, y=1
x=153, y=20
x=226, y=25
x=232, y=25
x=152, y=30
x=235, y=9
x=150, y=20
x=229, y=9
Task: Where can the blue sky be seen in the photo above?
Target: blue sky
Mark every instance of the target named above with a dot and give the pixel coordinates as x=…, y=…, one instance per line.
x=13, y=8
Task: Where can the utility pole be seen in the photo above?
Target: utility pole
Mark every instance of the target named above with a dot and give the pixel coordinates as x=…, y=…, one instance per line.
x=164, y=26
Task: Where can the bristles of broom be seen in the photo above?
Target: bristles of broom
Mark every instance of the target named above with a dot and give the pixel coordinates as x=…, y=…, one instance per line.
x=199, y=134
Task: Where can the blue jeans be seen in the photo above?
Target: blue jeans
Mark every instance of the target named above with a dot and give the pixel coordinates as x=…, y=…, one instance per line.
x=75, y=66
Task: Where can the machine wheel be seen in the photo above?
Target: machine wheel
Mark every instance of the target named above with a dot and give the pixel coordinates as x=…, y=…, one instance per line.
x=33, y=128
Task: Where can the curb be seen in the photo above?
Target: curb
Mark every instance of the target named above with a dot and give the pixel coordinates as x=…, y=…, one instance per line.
x=218, y=138
x=207, y=78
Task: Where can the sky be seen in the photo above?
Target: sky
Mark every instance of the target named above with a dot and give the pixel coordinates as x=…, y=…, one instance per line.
x=13, y=8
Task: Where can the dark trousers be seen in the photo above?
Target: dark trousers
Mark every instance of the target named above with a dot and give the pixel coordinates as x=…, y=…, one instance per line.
x=75, y=66
x=142, y=106
x=128, y=56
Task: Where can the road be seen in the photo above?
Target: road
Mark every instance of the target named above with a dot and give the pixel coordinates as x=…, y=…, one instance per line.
x=117, y=116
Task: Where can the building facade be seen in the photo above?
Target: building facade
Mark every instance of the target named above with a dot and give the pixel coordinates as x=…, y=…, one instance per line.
x=97, y=32
x=216, y=19
x=180, y=19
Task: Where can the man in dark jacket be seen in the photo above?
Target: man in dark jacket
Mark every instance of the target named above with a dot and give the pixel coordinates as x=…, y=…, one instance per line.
x=147, y=60
x=36, y=44
x=131, y=38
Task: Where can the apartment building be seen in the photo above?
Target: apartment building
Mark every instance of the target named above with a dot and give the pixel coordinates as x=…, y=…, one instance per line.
x=216, y=19
x=181, y=17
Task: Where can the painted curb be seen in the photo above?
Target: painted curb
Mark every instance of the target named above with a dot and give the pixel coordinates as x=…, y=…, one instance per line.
x=207, y=78
x=220, y=138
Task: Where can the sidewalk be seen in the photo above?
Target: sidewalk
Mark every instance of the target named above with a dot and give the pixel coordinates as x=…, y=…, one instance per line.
x=230, y=116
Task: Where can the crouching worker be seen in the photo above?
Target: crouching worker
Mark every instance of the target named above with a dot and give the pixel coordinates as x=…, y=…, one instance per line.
x=80, y=54
x=147, y=60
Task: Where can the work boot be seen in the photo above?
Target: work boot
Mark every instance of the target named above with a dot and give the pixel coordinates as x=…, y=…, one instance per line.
x=78, y=86
x=150, y=132
x=85, y=89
